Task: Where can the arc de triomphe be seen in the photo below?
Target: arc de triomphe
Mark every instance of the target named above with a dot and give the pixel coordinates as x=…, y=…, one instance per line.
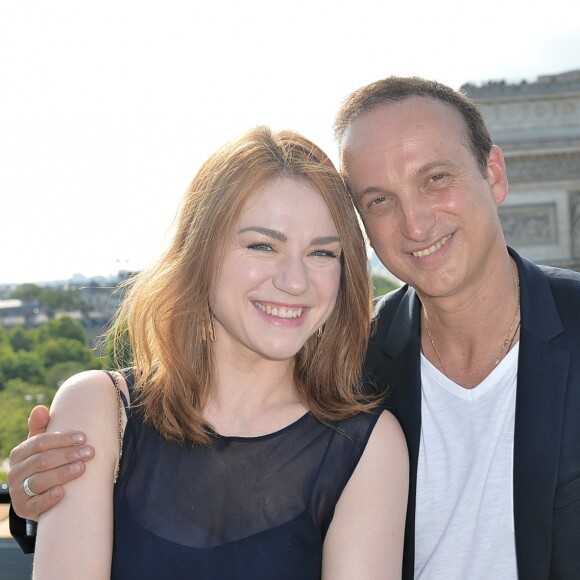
x=537, y=125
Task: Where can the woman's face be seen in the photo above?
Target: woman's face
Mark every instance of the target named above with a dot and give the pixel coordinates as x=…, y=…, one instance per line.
x=280, y=273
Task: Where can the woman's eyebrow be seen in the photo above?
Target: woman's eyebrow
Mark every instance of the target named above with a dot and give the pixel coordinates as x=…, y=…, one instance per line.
x=322, y=240
x=275, y=234
x=266, y=231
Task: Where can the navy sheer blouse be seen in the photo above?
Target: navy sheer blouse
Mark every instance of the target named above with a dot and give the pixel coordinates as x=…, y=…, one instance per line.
x=242, y=508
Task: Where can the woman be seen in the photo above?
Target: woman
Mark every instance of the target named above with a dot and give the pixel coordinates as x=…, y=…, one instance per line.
x=248, y=447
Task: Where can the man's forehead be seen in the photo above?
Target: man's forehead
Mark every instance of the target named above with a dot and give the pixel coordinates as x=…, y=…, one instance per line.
x=399, y=128
x=396, y=116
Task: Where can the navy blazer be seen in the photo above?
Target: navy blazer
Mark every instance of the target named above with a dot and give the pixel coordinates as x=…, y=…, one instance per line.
x=546, y=483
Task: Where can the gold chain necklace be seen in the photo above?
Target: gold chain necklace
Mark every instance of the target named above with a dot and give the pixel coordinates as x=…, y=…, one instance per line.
x=506, y=344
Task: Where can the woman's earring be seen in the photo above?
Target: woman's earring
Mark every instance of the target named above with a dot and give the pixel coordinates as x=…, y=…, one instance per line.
x=319, y=333
x=211, y=328
x=210, y=332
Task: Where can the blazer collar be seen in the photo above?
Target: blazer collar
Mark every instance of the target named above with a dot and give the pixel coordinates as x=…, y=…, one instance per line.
x=542, y=383
x=405, y=327
x=538, y=309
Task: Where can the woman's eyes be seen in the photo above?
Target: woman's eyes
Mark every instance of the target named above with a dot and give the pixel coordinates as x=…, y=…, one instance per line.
x=265, y=247
x=324, y=254
x=262, y=247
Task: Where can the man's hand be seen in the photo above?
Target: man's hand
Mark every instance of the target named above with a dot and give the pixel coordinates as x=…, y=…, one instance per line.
x=48, y=460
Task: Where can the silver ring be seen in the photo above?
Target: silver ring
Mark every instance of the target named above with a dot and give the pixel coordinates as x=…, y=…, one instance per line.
x=27, y=489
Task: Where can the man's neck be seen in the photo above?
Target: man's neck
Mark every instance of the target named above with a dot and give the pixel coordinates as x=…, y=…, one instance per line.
x=467, y=336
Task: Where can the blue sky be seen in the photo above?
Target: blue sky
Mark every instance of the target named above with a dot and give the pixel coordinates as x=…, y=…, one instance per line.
x=107, y=109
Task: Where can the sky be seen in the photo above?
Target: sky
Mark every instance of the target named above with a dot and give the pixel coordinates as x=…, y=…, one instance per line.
x=107, y=109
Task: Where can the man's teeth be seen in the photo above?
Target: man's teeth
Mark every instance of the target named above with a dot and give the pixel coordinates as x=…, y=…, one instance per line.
x=432, y=248
x=279, y=311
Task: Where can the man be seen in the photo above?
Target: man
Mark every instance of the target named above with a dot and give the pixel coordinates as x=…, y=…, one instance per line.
x=478, y=354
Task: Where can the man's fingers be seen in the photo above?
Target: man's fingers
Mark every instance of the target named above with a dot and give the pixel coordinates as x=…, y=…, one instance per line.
x=49, y=487
x=48, y=461
x=46, y=441
x=43, y=482
x=38, y=420
x=39, y=504
x=45, y=470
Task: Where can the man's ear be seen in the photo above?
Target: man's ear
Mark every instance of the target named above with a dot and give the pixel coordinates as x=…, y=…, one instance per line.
x=497, y=174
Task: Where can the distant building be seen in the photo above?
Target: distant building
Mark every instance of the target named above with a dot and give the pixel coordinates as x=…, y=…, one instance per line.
x=537, y=125
x=14, y=312
x=98, y=307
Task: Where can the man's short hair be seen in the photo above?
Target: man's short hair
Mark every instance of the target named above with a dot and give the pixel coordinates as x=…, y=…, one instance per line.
x=394, y=89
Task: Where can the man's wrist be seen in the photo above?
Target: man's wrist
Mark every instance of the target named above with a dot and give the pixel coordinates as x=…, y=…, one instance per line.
x=31, y=528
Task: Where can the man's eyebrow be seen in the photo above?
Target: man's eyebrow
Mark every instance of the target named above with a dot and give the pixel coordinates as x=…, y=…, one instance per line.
x=434, y=165
x=266, y=232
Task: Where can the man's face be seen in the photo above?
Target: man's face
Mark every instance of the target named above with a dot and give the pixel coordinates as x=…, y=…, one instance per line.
x=430, y=214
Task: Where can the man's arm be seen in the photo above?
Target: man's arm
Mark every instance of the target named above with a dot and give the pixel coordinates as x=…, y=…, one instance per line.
x=19, y=532
x=49, y=461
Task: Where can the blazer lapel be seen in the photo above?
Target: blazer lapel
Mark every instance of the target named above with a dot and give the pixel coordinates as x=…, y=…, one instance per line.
x=542, y=376
x=400, y=374
x=403, y=347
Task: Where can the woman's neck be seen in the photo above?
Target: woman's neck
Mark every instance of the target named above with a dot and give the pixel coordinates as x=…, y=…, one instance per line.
x=252, y=398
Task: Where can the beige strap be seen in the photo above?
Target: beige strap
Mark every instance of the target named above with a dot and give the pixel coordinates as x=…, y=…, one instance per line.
x=120, y=409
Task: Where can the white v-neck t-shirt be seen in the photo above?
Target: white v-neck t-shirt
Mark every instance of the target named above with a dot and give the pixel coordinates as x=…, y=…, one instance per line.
x=464, y=525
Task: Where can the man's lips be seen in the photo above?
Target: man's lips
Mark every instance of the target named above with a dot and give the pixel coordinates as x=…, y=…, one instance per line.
x=436, y=246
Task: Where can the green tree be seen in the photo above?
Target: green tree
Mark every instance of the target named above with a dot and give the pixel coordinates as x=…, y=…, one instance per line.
x=26, y=292
x=26, y=366
x=50, y=298
x=53, y=299
x=58, y=350
x=382, y=285
x=3, y=336
x=31, y=377
x=62, y=327
x=60, y=372
x=16, y=402
x=21, y=339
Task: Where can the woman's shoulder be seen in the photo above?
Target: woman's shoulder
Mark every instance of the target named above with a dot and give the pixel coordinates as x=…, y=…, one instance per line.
x=93, y=385
x=387, y=444
x=377, y=420
x=387, y=425
x=88, y=402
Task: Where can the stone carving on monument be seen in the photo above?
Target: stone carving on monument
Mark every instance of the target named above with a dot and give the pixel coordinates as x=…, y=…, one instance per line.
x=537, y=125
x=575, y=224
x=530, y=225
